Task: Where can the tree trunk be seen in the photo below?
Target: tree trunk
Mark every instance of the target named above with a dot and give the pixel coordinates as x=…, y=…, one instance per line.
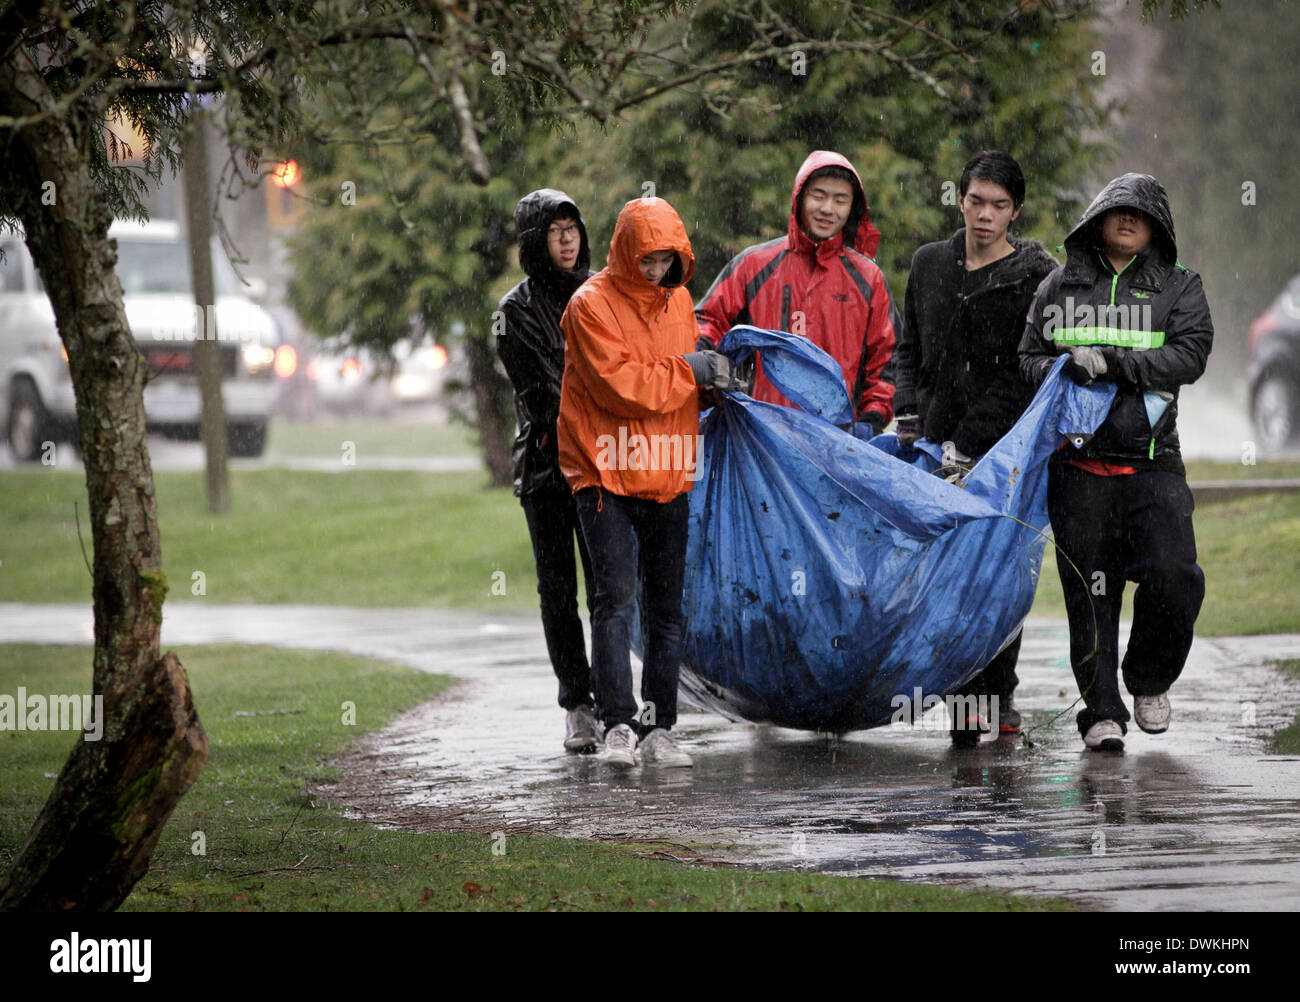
x=92, y=839
x=207, y=347
x=492, y=411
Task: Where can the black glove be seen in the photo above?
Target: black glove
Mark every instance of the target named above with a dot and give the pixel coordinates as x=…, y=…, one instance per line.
x=875, y=420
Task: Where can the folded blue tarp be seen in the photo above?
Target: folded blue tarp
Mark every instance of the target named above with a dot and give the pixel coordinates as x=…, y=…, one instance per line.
x=825, y=574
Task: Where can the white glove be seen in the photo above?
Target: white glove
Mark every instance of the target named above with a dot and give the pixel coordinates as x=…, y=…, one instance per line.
x=1089, y=359
x=952, y=456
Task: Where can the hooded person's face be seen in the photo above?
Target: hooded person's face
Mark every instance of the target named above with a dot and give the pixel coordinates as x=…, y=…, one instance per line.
x=654, y=266
x=1125, y=232
x=563, y=241
x=824, y=207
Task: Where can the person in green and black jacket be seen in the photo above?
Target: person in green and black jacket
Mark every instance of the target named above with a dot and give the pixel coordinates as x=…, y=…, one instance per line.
x=1125, y=310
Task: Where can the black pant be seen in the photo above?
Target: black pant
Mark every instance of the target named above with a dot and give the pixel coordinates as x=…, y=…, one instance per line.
x=552, y=525
x=998, y=677
x=635, y=542
x=1135, y=527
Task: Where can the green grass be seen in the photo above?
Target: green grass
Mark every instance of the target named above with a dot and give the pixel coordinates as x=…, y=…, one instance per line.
x=1205, y=469
x=269, y=846
x=394, y=538
x=371, y=538
x=1249, y=550
x=371, y=438
x=1287, y=740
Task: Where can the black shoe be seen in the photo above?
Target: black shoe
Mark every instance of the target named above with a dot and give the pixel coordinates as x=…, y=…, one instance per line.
x=968, y=734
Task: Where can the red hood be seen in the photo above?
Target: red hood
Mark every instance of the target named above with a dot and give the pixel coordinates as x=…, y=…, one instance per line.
x=866, y=238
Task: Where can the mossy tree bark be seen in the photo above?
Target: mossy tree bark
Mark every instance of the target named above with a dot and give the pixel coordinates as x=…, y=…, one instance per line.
x=93, y=838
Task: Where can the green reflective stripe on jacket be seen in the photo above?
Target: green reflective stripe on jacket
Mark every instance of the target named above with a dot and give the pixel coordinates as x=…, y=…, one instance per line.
x=1121, y=337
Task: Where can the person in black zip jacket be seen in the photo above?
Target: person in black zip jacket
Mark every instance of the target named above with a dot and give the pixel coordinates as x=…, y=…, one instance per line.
x=956, y=369
x=554, y=253
x=1127, y=311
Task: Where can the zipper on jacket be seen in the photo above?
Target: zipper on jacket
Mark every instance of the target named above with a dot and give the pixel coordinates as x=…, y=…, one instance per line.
x=1115, y=278
x=785, y=308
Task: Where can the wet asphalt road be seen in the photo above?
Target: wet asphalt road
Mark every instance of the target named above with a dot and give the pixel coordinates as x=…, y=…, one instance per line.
x=1201, y=817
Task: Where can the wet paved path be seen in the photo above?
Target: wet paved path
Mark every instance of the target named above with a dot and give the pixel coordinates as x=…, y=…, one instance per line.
x=1198, y=818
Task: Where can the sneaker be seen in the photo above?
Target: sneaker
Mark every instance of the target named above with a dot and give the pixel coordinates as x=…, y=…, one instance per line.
x=1152, y=713
x=1104, y=735
x=620, y=746
x=660, y=748
x=968, y=734
x=581, y=730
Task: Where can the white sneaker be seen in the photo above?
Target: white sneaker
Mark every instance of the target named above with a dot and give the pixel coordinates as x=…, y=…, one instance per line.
x=582, y=730
x=1152, y=713
x=1104, y=735
x=660, y=748
x=620, y=746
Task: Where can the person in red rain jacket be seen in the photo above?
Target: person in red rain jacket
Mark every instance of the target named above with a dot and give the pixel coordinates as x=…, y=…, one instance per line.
x=818, y=281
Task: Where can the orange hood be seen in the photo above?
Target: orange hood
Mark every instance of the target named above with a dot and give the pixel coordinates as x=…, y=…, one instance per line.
x=646, y=225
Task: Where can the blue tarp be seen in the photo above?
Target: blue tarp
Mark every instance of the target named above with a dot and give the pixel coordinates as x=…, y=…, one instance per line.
x=826, y=574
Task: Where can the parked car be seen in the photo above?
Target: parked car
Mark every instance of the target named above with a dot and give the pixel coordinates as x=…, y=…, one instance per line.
x=36, y=397
x=1273, y=376
x=351, y=381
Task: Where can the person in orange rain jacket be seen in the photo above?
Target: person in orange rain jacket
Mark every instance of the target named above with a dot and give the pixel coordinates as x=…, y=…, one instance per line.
x=628, y=447
x=820, y=281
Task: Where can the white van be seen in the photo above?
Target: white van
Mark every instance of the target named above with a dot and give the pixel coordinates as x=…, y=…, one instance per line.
x=36, y=398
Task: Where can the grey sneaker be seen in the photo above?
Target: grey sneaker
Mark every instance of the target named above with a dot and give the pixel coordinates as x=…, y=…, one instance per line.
x=660, y=748
x=1104, y=735
x=1152, y=713
x=620, y=746
x=582, y=731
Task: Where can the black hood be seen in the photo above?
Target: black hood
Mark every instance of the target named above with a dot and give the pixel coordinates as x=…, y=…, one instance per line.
x=1134, y=191
x=533, y=215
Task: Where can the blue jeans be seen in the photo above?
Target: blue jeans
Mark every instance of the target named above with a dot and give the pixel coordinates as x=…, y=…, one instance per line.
x=635, y=544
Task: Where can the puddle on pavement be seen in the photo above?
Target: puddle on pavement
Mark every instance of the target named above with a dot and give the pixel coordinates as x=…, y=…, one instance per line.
x=1200, y=818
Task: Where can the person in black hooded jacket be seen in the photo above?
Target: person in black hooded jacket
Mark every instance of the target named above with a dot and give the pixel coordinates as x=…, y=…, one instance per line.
x=1127, y=311
x=956, y=370
x=554, y=253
